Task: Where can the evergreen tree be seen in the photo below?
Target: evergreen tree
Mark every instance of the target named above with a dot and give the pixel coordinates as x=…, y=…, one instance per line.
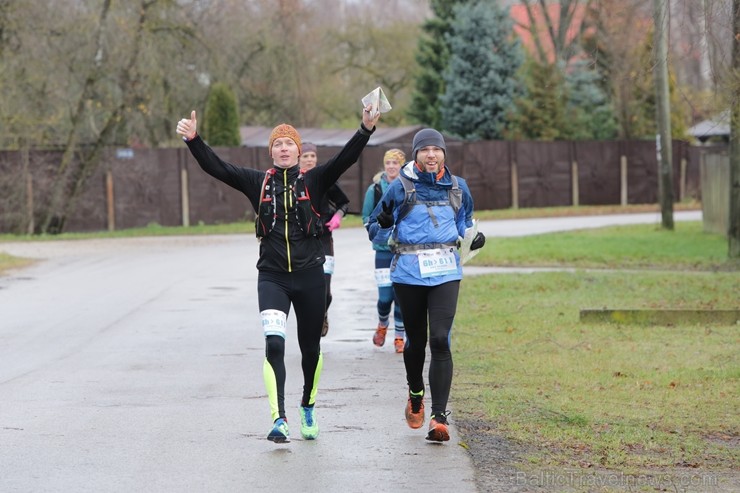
x=590, y=113
x=221, y=121
x=480, y=78
x=432, y=56
x=541, y=112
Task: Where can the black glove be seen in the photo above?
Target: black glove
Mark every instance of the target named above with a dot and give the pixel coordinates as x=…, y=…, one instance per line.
x=385, y=218
x=478, y=241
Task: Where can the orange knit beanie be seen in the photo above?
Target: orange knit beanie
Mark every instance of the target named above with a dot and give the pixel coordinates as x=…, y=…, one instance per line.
x=284, y=130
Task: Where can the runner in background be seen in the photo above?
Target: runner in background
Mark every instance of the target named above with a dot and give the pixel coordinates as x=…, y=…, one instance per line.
x=392, y=162
x=332, y=209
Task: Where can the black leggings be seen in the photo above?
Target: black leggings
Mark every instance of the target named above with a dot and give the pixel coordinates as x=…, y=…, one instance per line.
x=327, y=242
x=305, y=291
x=437, y=304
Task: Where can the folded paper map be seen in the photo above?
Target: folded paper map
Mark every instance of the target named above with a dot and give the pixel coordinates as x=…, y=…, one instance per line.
x=378, y=100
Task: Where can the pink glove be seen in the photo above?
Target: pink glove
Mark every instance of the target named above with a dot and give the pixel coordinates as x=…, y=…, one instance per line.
x=334, y=222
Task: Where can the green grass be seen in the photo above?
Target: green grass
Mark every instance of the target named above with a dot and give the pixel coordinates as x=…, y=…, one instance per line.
x=151, y=230
x=614, y=396
x=629, y=398
x=8, y=262
x=646, y=246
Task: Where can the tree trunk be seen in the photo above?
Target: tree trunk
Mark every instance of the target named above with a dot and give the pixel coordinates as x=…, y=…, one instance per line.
x=663, y=108
x=733, y=232
x=54, y=217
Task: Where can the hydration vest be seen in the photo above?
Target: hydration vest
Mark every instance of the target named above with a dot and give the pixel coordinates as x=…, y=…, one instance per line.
x=454, y=199
x=308, y=219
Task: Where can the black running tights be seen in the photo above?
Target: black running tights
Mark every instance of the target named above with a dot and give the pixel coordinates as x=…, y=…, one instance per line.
x=428, y=311
x=305, y=291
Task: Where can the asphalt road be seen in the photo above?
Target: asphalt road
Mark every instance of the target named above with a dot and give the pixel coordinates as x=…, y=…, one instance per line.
x=136, y=365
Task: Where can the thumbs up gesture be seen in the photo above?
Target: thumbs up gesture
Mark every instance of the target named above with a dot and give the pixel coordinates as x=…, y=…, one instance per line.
x=188, y=128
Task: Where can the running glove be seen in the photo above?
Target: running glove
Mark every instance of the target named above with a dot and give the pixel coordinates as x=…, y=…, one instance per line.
x=385, y=218
x=478, y=241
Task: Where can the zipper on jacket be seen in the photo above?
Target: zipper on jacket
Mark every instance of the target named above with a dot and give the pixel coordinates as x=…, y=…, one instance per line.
x=287, y=197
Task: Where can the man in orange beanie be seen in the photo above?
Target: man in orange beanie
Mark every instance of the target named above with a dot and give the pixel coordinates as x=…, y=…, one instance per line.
x=291, y=257
x=284, y=131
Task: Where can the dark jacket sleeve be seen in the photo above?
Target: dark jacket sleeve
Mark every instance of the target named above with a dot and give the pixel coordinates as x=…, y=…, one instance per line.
x=246, y=180
x=338, y=199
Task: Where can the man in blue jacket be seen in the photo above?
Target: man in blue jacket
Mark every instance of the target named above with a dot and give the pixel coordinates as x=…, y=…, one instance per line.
x=422, y=216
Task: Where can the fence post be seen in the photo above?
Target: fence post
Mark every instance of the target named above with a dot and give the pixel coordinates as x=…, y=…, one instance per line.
x=25, y=159
x=574, y=182
x=682, y=182
x=110, y=200
x=623, y=179
x=184, y=189
x=514, y=177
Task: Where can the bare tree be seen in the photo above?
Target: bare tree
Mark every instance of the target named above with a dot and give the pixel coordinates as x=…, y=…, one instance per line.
x=555, y=28
x=113, y=86
x=367, y=56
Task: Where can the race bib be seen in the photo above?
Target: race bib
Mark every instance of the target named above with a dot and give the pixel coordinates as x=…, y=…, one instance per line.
x=383, y=277
x=273, y=322
x=329, y=265
x=437, y=262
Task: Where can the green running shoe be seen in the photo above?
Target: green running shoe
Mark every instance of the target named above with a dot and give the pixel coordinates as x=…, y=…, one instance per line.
x=279, y=432
x=309, y=426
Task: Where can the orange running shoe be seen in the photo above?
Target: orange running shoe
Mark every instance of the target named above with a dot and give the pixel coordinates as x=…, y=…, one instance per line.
x=438, y=428
x=379, y=336
x=415, y=411
x=398, y=342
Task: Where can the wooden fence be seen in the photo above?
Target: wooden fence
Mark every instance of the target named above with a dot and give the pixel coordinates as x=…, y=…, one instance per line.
x=715, y=188
x=134, y=188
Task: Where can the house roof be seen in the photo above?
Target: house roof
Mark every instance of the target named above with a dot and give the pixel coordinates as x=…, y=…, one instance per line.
x=719, y=126
x=260, y=136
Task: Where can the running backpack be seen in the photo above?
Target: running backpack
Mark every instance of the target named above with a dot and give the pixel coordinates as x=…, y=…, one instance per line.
x=454, y=199
x=308, y=219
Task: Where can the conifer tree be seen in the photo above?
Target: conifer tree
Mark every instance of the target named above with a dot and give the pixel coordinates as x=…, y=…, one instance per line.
x=590, y=113
x=221, y=120
x=541, y=112
x=480, y=77
x=432, y=56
